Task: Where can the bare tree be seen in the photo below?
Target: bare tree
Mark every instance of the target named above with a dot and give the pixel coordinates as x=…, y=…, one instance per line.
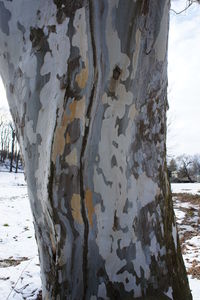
x=9, y=148
x=185, y=168
x=4, y=139
x=196, y=164
x=13, y=134
x=86, y=84
x=17, y=159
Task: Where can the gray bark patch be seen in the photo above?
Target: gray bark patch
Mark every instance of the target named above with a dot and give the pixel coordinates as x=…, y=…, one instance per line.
x=127, y=253
x=74, y=130
x=66, y=8
x=5, y=16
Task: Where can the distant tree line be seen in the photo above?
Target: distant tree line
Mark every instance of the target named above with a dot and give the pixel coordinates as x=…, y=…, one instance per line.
x=184, y=168
x=9, y=148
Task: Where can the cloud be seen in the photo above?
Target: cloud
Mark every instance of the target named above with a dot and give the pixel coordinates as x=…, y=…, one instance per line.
x=184, y=78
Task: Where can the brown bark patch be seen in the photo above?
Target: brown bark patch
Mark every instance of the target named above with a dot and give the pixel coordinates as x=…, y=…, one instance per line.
x=145, y=7
x=89, y=205
x=116, y=222
x=116, y=73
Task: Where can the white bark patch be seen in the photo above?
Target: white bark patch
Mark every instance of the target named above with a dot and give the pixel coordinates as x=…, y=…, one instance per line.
x=137, y=289
x=147, y=189
x=174, y=234
x=132, y=112
x=140, y=261
x=154, y=247
x=71, y=159
x=30, y=133
x=117, y=107
x=80, y=37
x=169, y=293
x=136, y=53
x=128, y=280
x=59, y=45
x=58, y=231
x=102, y=293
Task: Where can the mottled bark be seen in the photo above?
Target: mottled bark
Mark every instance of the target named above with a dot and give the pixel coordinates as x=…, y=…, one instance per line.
x=86, y=83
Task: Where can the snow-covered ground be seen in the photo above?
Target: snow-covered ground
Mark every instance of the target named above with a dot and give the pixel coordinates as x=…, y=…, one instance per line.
x=190, y=188
x=19, y=265
x=187, y=211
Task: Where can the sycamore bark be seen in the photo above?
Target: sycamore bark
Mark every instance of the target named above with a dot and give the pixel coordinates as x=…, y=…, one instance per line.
x=86, y=83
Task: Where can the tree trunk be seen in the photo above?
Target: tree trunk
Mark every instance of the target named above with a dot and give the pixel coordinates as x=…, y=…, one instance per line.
x=12, y=149
x=17, y=161
x=86, y=83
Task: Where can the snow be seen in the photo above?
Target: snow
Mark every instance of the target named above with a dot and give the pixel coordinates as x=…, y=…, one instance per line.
x=195, y=287
x=179, y=215
x=191, y=188
x=19, y=264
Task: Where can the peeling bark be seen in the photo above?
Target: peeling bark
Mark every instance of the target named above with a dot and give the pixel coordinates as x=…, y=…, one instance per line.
x=86, y=83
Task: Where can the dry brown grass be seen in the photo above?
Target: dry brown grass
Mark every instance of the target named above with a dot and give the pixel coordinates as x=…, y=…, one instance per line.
x=194, y=270
x=185, y=197
x=4, y=263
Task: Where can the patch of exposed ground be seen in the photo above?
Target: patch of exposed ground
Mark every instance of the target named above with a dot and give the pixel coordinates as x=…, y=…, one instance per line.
x=187, y=210
x=10, y=262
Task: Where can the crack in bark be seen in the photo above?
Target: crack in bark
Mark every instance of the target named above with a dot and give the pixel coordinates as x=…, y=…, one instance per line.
x=50, y=196
x=84, y=144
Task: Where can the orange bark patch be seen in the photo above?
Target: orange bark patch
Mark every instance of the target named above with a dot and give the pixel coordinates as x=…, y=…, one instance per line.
x=68, y=138
x=82, y=77
x=59, y=141
x=76, y=208
x=77, y=109
x=89, y=205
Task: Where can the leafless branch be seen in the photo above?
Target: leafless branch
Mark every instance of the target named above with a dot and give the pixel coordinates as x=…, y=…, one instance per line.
x=190, y=2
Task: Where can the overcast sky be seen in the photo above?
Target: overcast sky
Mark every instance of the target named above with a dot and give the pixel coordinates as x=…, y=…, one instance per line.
x=184, y=81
